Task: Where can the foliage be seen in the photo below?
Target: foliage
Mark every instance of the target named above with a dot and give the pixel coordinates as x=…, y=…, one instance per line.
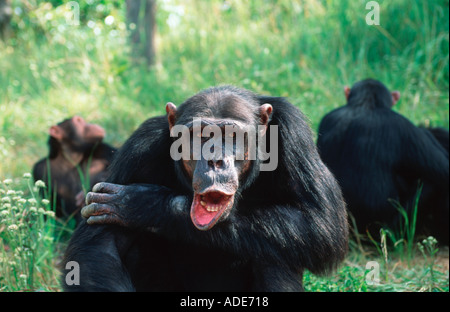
x=395, y=275
x=306, y=50
x=29, y=236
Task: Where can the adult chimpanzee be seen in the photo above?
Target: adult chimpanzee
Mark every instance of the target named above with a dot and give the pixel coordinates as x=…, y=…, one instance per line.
x=211, y=225
x=378, y=156
x=441, y=134
x=74, y=147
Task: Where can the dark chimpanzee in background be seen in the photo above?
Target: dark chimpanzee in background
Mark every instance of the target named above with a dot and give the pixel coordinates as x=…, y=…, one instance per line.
x=73, y=145
x=441, y=134
x=211, y=225
x=378, y=156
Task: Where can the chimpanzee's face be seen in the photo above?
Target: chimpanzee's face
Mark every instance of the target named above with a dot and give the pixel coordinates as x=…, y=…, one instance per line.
x=216, y=165
x=86, y=132
x=218, y=161
x=76, y=135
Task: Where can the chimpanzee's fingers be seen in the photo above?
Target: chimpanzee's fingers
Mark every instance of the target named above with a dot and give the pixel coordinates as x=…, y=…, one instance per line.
x=104, y=187
x=92, y=197
x=96, y=210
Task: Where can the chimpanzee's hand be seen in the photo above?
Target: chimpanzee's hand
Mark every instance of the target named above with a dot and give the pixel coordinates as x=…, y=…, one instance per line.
x=128, y=205
x=108, y=203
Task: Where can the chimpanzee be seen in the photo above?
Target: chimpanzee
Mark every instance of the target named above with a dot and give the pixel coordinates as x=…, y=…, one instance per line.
x=218, y=224
x=75, y=147
x=378, y=157
x=441, y=134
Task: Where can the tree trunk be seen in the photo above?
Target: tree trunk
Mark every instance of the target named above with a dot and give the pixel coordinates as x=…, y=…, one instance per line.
x=142, y=48
x=150, y=25
x=5, y=17
x=133, y=8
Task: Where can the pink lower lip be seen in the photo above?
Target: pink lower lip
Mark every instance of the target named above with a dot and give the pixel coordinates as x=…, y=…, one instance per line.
x=207, y=210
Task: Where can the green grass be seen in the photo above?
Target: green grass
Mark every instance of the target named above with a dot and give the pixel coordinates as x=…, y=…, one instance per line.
x=305, y=50
x=29, y=238
x=428, y=273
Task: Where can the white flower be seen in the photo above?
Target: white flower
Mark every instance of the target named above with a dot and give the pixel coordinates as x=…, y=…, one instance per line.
x=6, y=200
x=50, y=213
x=109, y=20
x=40, y=183
x=13, y=227
x=32, y=201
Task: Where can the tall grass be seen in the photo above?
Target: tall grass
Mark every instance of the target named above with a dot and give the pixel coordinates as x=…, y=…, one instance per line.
x=29, y=237
x=403, y=238
x=428, y=273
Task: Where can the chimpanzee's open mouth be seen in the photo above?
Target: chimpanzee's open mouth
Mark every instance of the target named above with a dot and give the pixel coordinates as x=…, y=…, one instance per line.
x=207, y=208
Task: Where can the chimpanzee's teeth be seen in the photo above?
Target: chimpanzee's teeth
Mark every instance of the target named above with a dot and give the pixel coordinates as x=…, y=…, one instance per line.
x=209, y=207
x=212, y=208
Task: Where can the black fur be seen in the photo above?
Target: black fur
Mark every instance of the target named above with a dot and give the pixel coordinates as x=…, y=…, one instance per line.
x=286, y=221
x=442, y=135
x=53, y=177
x=377, y=155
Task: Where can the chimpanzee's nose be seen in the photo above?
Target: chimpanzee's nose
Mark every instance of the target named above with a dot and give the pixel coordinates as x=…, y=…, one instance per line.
x=219, y=164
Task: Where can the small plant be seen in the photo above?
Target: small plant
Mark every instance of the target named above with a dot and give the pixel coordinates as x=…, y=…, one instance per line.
x=428, y=248
x=27, y=238
x=403, y=236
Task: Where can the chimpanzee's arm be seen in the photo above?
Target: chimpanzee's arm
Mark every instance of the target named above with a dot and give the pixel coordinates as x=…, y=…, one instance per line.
x=135, y=206
x=424, y=157
x=275, y=232
x=92, y=260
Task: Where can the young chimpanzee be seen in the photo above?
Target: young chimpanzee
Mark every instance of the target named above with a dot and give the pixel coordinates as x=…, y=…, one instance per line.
x=212, y=224
x=74, y=147
x=379, y=157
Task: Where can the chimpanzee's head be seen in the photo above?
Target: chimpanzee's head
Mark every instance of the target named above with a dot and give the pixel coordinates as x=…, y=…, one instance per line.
x=74, y=134
x=371, y=93
x=214, y=121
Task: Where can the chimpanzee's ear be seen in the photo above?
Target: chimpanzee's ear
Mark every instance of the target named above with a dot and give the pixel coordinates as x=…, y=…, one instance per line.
x=171, y=110
x=395, y=97
x=347, y=91
x=56, y=132
x=265, y=112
